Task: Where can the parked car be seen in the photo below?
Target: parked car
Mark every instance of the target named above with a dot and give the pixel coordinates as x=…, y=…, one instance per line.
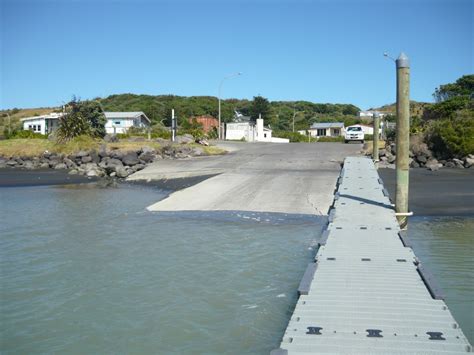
x=354, y=133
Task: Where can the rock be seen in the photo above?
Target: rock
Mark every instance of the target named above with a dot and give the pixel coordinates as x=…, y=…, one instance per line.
x=421, y=158
x=433, y=165
x=113, y=173
x=186, y=139
x=383, y=159
x=469, y=161
x=12, y=162
x=44, y=165
x=95, y=157
x=458, y=163
x=203, y=142
x=86, y=159
x=81, y=153
x=450, y=164
x=103, y=151
x=130, y=158
x=111, y=138
x=122, y=172
x=146, y=157
x=116, y=154
x=138, y=167
x=60, y=166
x=390, y=158
x=147, y=150
x=414, y=164
x=198, y=151
x=382, y=152
x=28, y=164
x=69, y=163
x=53, y=163
x=92, y=173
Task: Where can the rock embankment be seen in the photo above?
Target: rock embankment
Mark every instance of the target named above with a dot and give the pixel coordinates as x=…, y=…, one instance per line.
x=422, y=157
x=103, y=162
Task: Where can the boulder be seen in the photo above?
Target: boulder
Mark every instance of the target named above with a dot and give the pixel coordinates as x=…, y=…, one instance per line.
x=81, y=153
x=146, y=157
x=116, y=154
x=147, y=150
x=60, y=166
x=44, y=165
x=69, y=163
x=458, y=163
x=138, y=167
x=86, y=159
x=130, y=158
x=391, y=158
x=450, y=164
x=53, y=163
x=433, y=165
x=28, y=164
x=414, y=164
x=112, y=138
x=12, y=162
x=197, y=151
x=72, y=172
x=421, y=158
x=469, y=161
x=382, y=152
x=95, y=157
x=103, y=151
x=186, y=139
x=122, y=172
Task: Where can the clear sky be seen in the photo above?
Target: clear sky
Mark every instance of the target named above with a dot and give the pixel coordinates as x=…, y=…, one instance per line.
x=321, y=51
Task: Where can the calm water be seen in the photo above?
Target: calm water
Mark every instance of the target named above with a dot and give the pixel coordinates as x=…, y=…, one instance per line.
x=88, y=270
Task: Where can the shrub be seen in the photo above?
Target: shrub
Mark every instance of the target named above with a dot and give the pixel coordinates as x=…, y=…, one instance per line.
x=82, y=118
x=452, y=137
x=23, y=134
x=292, y=136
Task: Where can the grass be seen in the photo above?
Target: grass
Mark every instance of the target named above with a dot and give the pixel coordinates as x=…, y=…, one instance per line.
x=36, y=147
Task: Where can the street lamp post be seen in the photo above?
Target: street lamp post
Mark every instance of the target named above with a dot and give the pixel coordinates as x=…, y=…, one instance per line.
x=219, y=97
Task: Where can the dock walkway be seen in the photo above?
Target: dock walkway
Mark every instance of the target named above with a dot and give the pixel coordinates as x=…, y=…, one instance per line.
x=367, y=292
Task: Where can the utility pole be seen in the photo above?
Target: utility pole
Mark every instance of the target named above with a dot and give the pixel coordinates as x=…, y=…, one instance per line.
x=173, y=126
x=375, y=151
x=219, y=98
x=403, y=138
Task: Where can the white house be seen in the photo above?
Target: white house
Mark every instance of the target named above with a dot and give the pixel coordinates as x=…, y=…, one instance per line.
x=251, y=132
x=117, y=122
x=43, y=124
x=120, y=122
x=326, y=129
x=370, y=114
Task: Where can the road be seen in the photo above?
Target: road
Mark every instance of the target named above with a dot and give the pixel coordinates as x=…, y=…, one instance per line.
x=262, y=177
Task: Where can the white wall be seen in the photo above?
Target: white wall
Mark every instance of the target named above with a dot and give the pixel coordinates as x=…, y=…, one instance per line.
x=35, y=123
x=118, y=125
x=237, y=131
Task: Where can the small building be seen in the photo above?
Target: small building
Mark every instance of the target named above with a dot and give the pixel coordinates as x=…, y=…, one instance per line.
x=326, y=129
x=207, y=122
x=120, y=122
x=44, y=124
x=251, y=132
x=369, y=114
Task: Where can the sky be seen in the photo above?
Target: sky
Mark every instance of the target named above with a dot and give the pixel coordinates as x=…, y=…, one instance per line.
x=320, y=51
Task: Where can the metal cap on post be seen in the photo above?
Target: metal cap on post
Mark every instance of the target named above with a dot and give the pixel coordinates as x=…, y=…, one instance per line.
x=402, y=61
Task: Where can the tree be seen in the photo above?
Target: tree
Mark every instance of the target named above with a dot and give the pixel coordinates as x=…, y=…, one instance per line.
x=260, y=106
x=81, y=118
x=464, y=86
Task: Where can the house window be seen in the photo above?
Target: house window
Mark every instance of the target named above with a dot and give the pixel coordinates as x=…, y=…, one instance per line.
x=337, y=132
x=30, y=127
x=264, y=135
x=38, y=128
x=117, y=123
x=321, y=132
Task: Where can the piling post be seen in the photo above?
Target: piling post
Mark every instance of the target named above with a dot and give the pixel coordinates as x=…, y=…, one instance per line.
x=375, y=151
x=403, y=138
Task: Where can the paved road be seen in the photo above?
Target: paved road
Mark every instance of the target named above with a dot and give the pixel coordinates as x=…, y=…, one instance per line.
x=262, y=177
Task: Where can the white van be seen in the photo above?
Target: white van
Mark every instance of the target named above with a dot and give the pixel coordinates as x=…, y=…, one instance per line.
x=354, y=133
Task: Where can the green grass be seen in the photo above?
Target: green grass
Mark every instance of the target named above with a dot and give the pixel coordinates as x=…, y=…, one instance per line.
x=36, y=147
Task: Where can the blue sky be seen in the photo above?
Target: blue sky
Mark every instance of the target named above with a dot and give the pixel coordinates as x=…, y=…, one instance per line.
x=321, y=51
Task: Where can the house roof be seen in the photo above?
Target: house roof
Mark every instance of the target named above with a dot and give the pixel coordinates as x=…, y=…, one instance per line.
x=49, y=116
x=133, y=114
x=327, y=125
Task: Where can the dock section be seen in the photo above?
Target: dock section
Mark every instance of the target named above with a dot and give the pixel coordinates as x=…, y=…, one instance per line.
x=366, y=291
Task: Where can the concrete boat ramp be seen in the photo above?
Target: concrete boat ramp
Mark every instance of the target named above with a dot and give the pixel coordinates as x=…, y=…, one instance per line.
x=366, y=292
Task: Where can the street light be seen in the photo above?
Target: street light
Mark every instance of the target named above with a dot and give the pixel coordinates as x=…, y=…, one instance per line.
x=219, y=97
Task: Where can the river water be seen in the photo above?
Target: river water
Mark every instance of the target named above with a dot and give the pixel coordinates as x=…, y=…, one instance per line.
x=88, y=270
